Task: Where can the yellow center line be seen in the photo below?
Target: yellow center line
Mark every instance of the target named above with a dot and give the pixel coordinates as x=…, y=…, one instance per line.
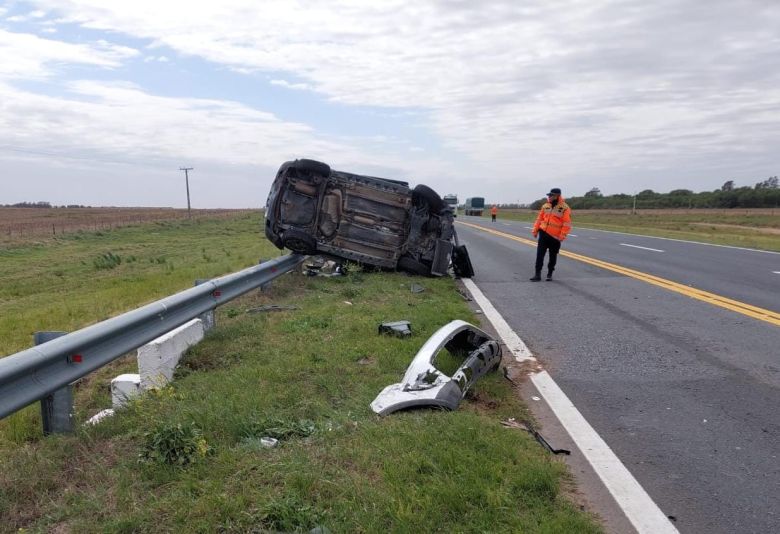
x=717, y=300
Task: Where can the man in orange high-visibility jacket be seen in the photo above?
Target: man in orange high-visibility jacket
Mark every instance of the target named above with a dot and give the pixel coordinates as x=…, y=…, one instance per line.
x=552, y=226
x=493, y=213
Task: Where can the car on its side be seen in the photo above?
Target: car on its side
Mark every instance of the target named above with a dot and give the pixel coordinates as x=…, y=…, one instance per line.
x=313, y=209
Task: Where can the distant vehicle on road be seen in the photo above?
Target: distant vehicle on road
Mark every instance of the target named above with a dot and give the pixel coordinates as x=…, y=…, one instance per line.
x=451, y=201
x=375, y=221
x=474, y=206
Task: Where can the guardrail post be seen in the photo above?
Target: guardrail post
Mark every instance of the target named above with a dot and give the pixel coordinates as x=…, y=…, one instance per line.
x=57, y=407
x=265, y=287
x=208, y=318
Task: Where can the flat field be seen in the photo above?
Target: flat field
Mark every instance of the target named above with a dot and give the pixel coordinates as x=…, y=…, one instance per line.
x=20, y=224
x=751, y=228
x=306, y=376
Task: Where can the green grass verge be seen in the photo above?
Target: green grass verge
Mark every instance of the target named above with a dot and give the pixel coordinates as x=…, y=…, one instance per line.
x=306, y=376
x=80, y=279
x=737, y=229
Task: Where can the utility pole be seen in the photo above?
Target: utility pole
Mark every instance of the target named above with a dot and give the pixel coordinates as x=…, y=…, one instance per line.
x=187, y=181
x=633, y=210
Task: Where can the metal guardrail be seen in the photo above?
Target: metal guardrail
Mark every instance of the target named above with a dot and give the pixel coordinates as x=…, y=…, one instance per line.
x=35, y=373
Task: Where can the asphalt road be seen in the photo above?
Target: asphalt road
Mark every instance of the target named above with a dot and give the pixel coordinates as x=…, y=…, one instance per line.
x=687, y=394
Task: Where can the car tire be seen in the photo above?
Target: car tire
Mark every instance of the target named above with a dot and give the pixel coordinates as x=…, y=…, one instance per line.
x=313, y=167
x=461, y=262
x=431, y=197
x=410, y=265
x=299, y=242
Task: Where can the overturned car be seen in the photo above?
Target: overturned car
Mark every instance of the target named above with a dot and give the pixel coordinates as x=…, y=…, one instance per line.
x=313, y=209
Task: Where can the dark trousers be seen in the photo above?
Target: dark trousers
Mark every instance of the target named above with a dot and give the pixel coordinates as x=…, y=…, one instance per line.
x=545, y=243
x=493, y=217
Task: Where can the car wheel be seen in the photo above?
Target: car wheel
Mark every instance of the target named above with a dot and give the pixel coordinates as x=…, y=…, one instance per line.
x=299, y=242
x=431, y=197
x=410, y=265
x=313, y=167
x=461, y=263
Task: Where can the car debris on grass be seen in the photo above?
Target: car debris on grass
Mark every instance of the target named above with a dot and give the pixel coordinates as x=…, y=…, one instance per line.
x=425, y=385
x=396, y=328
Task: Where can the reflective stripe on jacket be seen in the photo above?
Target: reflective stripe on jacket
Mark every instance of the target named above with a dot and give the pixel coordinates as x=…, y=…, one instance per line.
x=554, y=220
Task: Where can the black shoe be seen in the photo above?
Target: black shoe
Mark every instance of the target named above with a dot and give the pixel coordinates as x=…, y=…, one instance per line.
x=549, y=277
x=536, y=278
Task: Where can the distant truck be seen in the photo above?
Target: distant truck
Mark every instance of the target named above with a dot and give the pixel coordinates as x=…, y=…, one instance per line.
x=475, y=206
x=452, y=202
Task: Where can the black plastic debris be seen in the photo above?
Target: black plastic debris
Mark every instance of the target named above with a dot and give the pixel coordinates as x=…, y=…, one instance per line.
x=464, y=295
x=528, y=427
x=396, y=328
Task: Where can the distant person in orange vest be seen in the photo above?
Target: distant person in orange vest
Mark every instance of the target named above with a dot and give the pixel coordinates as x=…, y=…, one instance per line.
x=493, y=213
x=552, y=226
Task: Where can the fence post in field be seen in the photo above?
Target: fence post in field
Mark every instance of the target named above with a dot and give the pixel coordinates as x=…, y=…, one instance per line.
x=56, y=408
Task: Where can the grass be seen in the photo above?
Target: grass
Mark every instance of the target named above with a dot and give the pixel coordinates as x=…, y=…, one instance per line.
x=77, y=280
x=188, y=458
x=718, y=226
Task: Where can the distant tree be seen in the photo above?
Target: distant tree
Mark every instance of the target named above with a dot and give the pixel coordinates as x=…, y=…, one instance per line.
x=680, y=192
x=594, y=193
x=646, y=193
x=31, y=205
x=769, y=183
x=728, y=186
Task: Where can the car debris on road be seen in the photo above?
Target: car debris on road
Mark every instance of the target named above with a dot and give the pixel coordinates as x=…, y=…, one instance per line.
x=425, y=385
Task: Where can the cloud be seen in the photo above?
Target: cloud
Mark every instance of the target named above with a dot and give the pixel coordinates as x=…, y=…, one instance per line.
x=27, y=56
x=288, y=85
x=515, y=93
x=159, y=59
x=113, y=143
x=120, y=121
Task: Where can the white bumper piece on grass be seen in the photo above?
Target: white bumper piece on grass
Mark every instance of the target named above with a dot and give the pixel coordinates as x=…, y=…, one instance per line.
x=424, y=385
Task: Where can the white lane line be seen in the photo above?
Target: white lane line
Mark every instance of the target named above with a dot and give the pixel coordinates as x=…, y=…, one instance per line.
x=640, y=509
x=776, y=272
x=506, y=224
x=643, y=248
x=527, y=227
x=511, y=340
x=572, y=235
x=682, y=241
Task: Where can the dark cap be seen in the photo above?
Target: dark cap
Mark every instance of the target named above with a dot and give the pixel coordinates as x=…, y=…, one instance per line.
x=554, y=191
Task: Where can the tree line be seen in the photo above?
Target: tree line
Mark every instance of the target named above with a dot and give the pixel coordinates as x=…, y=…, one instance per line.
x=765, y=194
x=40, y=205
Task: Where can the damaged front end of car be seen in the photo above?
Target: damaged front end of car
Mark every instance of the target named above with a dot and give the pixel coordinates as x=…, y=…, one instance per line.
x=423, y=385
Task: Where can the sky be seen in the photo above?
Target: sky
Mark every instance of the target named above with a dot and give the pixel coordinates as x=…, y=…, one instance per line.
x=102, y=102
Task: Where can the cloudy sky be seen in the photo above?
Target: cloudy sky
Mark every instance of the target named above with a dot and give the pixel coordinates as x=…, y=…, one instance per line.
x=101, y=102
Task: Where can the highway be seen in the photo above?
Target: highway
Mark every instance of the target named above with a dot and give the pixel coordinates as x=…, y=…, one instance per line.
x=671, y=350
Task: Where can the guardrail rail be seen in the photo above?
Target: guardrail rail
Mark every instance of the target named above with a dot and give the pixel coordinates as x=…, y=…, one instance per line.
x=38, y=373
